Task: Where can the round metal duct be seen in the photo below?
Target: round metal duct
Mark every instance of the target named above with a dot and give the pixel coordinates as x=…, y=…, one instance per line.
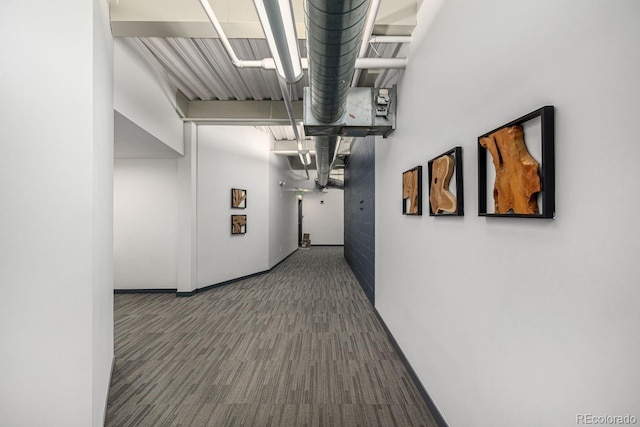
x=334, y=33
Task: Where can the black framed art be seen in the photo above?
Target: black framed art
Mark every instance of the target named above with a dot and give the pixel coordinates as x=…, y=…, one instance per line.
x=238, y=224
x=412, y=191
x=443, y=201
x=238, y=198
x=523, y=173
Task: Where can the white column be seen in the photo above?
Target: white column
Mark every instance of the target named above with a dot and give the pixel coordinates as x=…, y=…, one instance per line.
x=187, y=211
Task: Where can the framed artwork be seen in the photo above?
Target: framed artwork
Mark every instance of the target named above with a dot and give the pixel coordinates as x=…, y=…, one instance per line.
x=521, y=181
x=442, y=169
x=238, y=224
x=238, y=198
x=412, y=191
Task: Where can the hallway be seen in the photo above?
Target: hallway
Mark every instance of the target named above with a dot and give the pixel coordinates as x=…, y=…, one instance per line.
x=299, y=346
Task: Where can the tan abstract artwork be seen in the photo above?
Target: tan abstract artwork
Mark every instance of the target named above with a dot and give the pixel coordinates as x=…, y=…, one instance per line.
x=517, y=181
x=238, y=198
x=412, y=191
x=238, y=224
x=441, y=199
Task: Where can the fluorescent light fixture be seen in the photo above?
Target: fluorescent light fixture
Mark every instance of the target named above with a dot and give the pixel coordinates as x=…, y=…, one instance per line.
x=276, y=17
x=305, y=157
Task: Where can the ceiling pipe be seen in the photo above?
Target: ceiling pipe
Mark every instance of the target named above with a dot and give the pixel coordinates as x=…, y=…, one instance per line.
x=390, y=39
x=334, y=156
x=269, y=63
x=381, y=63
x=325, y=147
x=276, y=17
x=240, y=63
x=284, y=88
x=335, y=183
x=385, y=63
x=368, y=30
x=338, y=35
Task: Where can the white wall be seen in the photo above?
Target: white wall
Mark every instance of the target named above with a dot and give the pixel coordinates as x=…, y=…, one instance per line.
x=231, y=157
x=103, y=136
x=172, y=216
x=509, y=321
x=324, y=221
x=145, y=223
x=55, y=251
x=142, y=95
x=149, y=139
x=283, y=209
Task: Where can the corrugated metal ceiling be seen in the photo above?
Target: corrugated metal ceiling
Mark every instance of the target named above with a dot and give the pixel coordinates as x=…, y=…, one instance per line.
x=202, y=70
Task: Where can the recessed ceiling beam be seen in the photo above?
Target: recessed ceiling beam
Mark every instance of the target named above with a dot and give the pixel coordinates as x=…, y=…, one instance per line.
x=256, y=113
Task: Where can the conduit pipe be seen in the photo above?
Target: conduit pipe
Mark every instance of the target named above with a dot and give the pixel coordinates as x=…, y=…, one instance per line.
x=240, y=63
x=325, y=148
x=368, y=30
x=284, y=88
x=381, y=63
x=269, y=63
x=386, y=63
x=390, y=39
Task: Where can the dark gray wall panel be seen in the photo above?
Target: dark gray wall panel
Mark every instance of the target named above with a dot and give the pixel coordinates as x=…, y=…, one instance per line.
x=359, y=213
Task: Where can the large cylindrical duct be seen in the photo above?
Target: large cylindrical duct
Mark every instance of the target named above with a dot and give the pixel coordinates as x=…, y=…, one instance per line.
x=334, y=33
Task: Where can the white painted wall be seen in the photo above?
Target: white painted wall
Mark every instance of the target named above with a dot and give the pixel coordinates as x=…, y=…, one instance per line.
x=231, y=157
x=188, y=211
x=507, y=321
x=149, y=139
x=145, y=223
x=172, y=216
x=324, y=221
x=55, y=178
x=142, y=95
x=102, y=262
x=283, y=209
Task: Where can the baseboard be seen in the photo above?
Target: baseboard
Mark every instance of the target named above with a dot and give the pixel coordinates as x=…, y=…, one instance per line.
x=186, y=294
x=144, y=291
x=231, y=281
x=437, y=416
x=329, y=245
x=225, y=283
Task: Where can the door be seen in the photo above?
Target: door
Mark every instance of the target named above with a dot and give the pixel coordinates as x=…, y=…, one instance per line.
x=299, y=221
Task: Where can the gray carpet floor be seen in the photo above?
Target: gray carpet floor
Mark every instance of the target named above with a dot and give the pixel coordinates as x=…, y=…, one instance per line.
x=299, y=346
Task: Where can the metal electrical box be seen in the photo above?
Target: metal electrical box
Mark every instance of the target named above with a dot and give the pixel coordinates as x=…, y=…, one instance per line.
x=368, y=111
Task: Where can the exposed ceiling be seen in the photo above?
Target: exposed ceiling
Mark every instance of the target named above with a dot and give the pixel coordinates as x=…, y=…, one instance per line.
x=178, y=37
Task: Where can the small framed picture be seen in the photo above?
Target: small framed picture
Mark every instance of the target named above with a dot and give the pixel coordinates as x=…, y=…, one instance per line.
x=445, y=184
x=238, y=198
x=238, y=224
x=412, y=191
